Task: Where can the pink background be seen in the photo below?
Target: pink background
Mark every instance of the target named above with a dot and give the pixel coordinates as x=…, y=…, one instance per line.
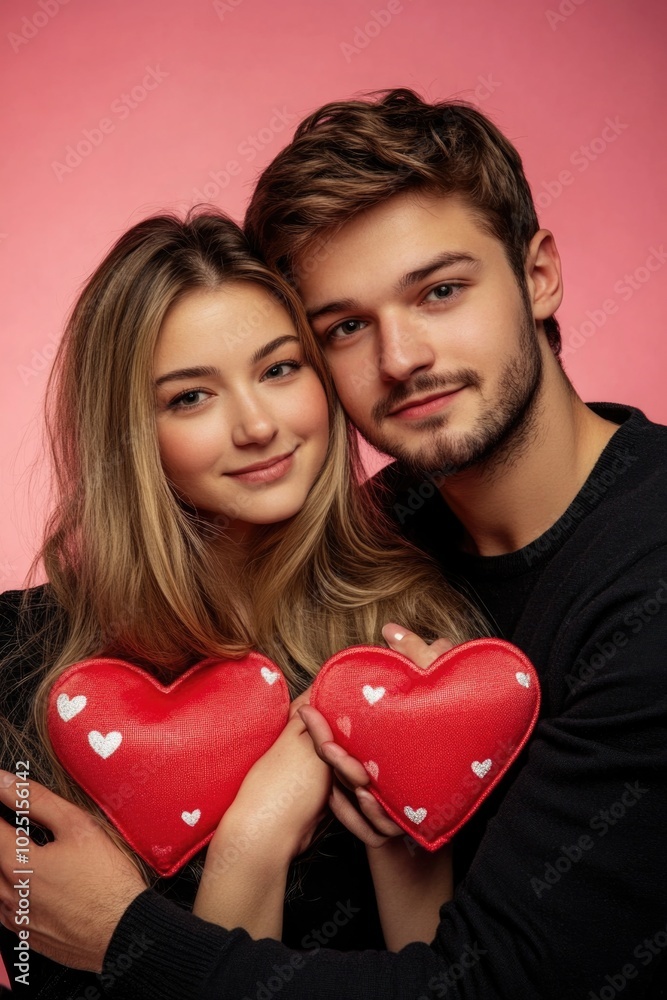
x=229, y=80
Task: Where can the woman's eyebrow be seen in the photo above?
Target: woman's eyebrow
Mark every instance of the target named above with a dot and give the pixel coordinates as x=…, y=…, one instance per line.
x=201, y=371
x=273, y=345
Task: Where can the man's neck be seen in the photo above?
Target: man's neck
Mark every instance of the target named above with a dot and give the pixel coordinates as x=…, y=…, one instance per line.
x=506, y=505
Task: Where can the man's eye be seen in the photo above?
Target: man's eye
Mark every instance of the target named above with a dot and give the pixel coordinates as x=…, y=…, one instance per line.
x=346, y=328
x=442, y=292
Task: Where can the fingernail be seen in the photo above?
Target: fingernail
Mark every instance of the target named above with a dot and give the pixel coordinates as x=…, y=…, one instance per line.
x=392, y=634
x=7, y=779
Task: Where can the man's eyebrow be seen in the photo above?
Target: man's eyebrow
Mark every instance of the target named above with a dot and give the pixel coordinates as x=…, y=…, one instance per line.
x=340, y=305
x=447, y=259
x=201, y=371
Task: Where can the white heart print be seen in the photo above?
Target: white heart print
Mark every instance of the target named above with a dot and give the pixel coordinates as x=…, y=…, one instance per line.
x=104, y=745
x=481, y=767
x=270, y=676
x=415, y=816
x=372, y=694
x=372, y=768
x=69, y=707
x=523, y=679
x=344, y=724
x=191, y=818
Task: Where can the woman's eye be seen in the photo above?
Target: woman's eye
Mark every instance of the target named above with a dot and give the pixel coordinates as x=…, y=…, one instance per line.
x=282, y=369
x=346, y=328
x=442, y=292
x=188, y=400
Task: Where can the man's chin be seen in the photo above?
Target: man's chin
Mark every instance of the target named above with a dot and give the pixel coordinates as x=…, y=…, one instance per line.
x=436, y=466
x=442, y=458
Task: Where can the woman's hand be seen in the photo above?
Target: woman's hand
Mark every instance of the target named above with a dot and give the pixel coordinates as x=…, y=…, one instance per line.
x=284, y=795
x=369, y=822
x=411, y=884
x=300, y=701
x=272, y=819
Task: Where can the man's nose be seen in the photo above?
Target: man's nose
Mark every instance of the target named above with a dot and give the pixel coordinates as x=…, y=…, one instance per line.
x=404, y=349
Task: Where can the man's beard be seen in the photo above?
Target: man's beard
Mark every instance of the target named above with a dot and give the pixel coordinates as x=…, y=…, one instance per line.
x=500, y=430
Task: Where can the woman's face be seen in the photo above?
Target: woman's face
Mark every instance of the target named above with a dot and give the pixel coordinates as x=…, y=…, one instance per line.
x=242, y=420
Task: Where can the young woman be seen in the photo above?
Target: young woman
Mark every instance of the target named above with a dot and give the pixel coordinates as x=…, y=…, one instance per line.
x=207, y=503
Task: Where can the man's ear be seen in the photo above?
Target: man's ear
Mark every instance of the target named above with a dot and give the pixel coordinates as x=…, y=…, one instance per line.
x=543, y=275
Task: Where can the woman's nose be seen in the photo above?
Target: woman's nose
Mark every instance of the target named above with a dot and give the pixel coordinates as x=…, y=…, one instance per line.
x=252, y=424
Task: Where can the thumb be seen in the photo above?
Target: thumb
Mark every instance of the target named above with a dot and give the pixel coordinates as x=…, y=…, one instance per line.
x=409, y=644
x=302, y=699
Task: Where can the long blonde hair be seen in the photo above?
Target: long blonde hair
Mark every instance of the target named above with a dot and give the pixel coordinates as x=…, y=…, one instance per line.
x=133, y=571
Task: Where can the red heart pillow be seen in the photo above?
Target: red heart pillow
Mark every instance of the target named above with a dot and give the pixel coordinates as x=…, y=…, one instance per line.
x=434, y=741
x=165, y=762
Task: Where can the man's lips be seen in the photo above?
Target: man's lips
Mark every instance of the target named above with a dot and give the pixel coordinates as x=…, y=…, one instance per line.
x=424, y=405
x=271, y=468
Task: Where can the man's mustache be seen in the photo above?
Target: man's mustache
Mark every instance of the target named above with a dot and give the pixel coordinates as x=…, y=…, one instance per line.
x=421, y=385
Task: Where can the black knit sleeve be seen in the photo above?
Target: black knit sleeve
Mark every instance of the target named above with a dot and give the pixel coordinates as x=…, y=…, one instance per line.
x=26, y=618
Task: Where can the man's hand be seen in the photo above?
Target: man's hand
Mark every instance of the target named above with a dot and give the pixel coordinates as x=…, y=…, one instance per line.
x=370, y=823
x=78, y=887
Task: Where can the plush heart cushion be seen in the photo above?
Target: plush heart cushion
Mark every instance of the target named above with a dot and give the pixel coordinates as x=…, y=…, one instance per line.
x=434, y=741
x=165, y=762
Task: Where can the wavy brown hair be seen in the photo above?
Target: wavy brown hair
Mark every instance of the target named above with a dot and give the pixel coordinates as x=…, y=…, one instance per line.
x=351, y=155
x=134, y=571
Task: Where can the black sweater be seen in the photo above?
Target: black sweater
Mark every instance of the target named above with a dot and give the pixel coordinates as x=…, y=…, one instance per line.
x=561, y=889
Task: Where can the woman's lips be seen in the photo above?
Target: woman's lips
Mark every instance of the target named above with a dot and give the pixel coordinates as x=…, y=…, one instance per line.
x=418, y=410
x=266, y=472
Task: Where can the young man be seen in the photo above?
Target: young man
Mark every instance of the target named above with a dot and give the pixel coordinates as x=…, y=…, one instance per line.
x=410, y=233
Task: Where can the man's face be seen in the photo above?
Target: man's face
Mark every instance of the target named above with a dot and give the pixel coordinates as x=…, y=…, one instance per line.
x=431, y=341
